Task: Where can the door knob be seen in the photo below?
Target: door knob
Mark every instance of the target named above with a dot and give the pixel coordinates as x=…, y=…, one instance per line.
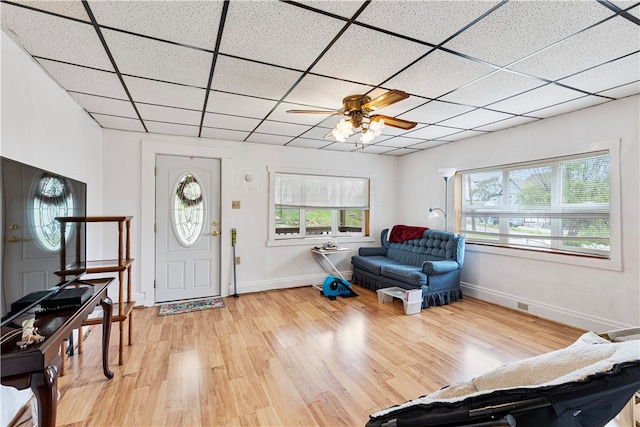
x=215, y=233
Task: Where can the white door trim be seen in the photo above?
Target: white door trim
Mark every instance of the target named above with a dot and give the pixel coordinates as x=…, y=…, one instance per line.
x=148, y=207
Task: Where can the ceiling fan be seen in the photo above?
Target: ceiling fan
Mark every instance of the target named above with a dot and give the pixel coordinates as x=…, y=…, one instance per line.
x=358, y=108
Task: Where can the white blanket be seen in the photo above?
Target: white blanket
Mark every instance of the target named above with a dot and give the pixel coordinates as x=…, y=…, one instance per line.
x=589, y=355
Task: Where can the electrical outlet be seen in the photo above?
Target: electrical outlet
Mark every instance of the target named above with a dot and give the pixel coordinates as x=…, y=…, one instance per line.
x=235, y=204
x=523, y=306
x=237, y=260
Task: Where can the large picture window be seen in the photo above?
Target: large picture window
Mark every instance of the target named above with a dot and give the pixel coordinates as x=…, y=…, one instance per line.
x=560, y=205
x=309, y=206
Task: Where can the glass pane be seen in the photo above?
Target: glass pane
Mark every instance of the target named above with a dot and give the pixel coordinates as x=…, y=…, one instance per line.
x=585, y=181
x=350, y=221
x=318, y=221
x=52, y=198
x=287, y=221
x=188, y=210
x=586, y=234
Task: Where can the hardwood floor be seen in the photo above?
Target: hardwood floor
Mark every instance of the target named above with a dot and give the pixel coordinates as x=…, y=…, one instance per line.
x=293, y=357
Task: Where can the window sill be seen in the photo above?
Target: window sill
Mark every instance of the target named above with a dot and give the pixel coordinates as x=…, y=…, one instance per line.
x=548, y=256
x=319, y=241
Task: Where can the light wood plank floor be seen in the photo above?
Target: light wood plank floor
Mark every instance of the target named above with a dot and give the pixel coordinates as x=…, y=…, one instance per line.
x=293, y=357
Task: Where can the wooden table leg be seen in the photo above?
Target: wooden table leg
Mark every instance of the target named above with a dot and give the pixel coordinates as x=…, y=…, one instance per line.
x=107, y=310
x=45, y=388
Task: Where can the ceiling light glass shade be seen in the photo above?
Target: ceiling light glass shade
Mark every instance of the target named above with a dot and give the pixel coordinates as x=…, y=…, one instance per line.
x=376, y=127
x=446, y=172
x=342, y=131
x=367, y=137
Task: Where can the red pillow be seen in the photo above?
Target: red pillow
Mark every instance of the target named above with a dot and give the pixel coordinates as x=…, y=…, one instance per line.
x=400, y=233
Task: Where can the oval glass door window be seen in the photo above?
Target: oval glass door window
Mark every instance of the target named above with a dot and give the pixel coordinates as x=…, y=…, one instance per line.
x=188, y=210
x=52, y=197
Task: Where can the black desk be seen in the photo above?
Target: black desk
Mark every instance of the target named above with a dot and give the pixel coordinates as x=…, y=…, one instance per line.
x=37, y=366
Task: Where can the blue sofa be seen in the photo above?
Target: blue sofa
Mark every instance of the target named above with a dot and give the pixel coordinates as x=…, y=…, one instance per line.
x=431, y=263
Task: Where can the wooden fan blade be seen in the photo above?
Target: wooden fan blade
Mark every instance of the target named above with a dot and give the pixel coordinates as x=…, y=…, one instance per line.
x=314, y=111
x=388, y=98
x=392, y=121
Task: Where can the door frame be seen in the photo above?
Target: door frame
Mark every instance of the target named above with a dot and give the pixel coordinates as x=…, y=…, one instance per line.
x=150, y=148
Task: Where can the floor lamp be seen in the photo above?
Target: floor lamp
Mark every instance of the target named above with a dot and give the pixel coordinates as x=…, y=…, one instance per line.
x=445, y=173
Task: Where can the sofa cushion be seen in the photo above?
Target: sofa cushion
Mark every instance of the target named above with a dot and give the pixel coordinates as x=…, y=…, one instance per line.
x=405, y=273
x=372, y=264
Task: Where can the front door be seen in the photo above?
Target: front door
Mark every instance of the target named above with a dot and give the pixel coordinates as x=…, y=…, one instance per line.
x=187, y=228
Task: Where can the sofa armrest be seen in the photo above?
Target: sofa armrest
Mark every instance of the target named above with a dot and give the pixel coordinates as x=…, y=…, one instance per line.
x=366, y=251
x=439, y=267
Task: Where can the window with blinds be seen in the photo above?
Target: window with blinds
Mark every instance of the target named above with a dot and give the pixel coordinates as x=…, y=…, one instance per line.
x=318, y=205
x=559, y=204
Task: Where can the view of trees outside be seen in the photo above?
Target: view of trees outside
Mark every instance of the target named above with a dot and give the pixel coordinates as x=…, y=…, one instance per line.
x=317, y=221
x=565, y=199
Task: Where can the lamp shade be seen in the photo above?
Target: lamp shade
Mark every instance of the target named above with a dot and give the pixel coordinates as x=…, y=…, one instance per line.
x=446, y=172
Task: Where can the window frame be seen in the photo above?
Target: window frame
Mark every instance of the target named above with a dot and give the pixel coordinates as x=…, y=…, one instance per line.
x=614, y=259
x=299, y=238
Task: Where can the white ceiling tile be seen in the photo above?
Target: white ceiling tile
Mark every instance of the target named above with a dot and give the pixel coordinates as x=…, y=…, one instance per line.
x=401, y=152
x=410, y=18
x=319, y=133
x=535, y=99
x=250, y=78
x=371, y=149
x=171, y=95
x=474, y=119
x=263, y=138
x=435, y=112
x=87, y=80
x=171, y=129
x=244, y=105
x=520, y=28
x=607, y=76
x=344, y=146
x=194, y=23
x=323, y=92
x=626, y=4
x=507, y=123
x=576, y=104
x=72, y=9
x=121, y=123
x=308, y=143
x=141, y=57
x=605, y=42
x=230, y=135
x=492, y=88
x=464, y=135
x=428, y=144
x=352, y=56
x=277, y=33
x=103, y=105
x=48, y=36
x=345, y=9
x=400, y=141
x=280, y=114
x=225, y=121
x=433, y=132
x=168, y=114
x=281, y=128
x=623, y=91
x=432, y=76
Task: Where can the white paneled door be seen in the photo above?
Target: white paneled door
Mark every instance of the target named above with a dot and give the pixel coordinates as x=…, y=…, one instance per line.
x=187, y=228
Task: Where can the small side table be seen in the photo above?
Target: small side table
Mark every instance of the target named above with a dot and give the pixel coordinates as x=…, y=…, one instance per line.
x=323, y=254
x=411, y=299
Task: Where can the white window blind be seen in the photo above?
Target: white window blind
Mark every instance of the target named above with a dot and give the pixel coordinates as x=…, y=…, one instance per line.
x=559, y=204
x=321, y=192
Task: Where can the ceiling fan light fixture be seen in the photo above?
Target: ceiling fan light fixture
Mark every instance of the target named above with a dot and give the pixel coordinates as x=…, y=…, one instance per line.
x=342, y=130
x=367, y=136
x=376, y=126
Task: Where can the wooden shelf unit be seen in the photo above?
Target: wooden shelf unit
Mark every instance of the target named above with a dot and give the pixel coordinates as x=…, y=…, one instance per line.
x=121, y=265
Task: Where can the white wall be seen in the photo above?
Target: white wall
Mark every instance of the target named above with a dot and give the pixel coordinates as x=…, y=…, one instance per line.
x=584, y=296
x=262, y=267
x=41, y=125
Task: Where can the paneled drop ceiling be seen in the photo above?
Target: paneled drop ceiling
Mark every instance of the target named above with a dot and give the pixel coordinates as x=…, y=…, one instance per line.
x=230, y=70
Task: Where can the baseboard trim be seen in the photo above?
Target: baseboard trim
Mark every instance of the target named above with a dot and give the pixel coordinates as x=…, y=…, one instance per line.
x=543, y=309
x=283, y=283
